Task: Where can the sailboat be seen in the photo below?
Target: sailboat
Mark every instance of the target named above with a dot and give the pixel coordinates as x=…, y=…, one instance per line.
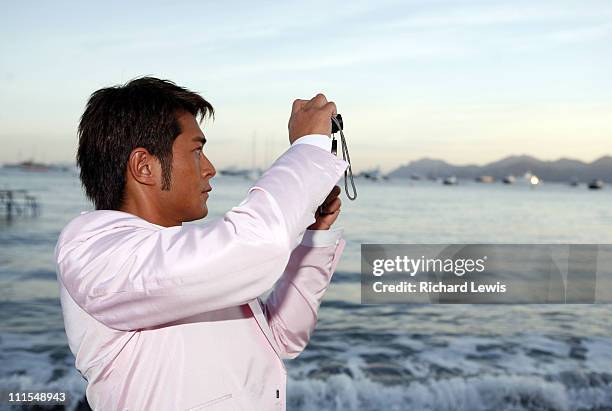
x=596, y=184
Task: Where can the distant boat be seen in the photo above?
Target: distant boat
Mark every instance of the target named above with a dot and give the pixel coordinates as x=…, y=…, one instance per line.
x=485, y=179
x=28, y=166
x=450, y=181
x=233, y=171
x=596, y=184
x=415, y=177
x=374, y=175
x=509, y=179
x=574, y=182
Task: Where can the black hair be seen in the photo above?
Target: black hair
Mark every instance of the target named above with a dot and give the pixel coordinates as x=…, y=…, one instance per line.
x=141, y=113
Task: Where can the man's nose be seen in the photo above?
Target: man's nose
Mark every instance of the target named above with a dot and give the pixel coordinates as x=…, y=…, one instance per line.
x=209, y=170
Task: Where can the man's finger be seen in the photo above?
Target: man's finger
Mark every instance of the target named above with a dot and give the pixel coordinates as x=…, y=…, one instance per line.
x=333, y=194
x=317, y=101
x=330, y=108
x=298, y=104
x=332, y=207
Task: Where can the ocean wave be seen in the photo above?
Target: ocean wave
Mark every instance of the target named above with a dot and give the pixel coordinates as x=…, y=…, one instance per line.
x=487, y=392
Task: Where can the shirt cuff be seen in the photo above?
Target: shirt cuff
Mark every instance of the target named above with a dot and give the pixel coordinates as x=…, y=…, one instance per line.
x=319, y=140
x=322, y=238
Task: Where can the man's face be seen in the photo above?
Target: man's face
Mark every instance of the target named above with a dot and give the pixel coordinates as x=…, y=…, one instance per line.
x=191, y=172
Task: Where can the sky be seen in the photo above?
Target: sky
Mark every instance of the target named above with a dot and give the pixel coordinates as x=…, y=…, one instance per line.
x=468, y=82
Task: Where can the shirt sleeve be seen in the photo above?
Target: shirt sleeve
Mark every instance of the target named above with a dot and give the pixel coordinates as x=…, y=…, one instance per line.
x=134, y=277
x=318, y=140
x=292, y=308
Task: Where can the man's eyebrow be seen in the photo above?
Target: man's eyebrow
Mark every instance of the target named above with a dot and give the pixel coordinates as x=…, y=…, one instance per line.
x=199, y=139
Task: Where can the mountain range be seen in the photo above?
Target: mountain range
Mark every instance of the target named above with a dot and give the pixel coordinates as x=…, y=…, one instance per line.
x=564, y=169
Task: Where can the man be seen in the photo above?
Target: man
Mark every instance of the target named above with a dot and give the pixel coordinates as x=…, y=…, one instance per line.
x=162, y=316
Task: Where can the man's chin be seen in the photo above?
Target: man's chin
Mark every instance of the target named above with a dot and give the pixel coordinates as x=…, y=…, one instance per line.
x=196, y=216
x=203, y=213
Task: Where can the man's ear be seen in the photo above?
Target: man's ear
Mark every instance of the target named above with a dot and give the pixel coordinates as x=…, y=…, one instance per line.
x=143, y=166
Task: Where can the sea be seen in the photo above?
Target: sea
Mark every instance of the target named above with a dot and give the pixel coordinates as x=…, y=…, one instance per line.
x=363, y=357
